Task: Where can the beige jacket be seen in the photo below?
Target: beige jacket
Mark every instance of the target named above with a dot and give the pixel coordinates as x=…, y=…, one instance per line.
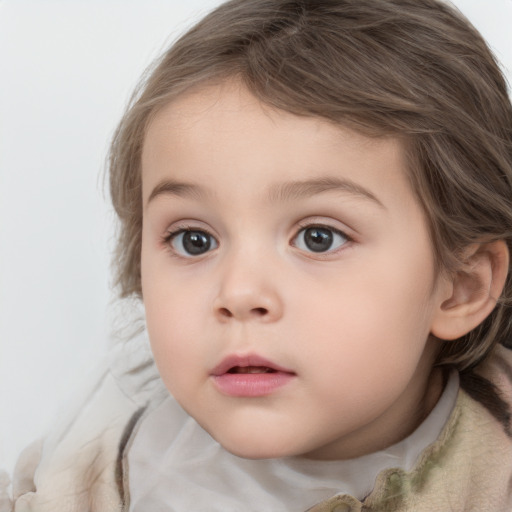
x=82, y=466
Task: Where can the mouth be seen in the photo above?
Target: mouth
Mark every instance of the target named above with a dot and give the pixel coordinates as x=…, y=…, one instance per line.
x=250, y=376
x=251, y=369
x=248, y=364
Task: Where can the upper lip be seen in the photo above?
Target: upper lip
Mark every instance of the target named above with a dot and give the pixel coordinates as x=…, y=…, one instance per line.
x=235, y=360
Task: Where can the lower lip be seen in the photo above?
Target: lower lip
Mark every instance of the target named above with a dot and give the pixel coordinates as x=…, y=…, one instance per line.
x=251, y=384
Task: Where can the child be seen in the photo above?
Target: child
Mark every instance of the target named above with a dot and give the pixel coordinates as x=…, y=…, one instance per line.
x=315, y=210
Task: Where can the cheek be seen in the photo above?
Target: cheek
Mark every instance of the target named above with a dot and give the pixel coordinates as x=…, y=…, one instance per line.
x=370, y=321
x=174, y=345
x=175, y=317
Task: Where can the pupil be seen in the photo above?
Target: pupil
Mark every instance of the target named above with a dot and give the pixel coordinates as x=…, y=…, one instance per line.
x=318, y=239
x=196, y=242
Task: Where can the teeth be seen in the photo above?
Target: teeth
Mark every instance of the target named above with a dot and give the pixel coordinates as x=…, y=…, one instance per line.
x=250, y=369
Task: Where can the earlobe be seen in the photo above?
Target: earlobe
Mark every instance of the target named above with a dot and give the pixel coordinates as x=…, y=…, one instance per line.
x=473, y=290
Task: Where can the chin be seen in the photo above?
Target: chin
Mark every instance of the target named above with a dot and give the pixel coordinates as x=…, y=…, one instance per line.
x=253, y=453
x=256, y=449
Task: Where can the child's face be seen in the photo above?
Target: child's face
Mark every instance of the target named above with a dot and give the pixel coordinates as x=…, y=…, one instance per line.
x=288, y=278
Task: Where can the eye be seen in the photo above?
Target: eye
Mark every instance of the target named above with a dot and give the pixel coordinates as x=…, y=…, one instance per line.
x=188, y=242
x=319, y=239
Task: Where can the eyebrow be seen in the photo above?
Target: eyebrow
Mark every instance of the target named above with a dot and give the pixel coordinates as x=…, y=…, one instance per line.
x=177, y=188
x=287, y=191
x=294, y=190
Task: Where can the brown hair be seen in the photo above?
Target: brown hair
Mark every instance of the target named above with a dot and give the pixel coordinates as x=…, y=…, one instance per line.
x=410, y=68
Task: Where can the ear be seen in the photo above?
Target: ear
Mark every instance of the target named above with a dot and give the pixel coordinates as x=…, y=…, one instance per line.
x=469, y=296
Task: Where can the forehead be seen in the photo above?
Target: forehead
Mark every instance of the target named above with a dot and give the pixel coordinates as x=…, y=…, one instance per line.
x=211, y=107
x=221, y=134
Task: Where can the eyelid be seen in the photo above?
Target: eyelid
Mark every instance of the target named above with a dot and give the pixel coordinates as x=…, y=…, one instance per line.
x=187, y=225
x=326, y=222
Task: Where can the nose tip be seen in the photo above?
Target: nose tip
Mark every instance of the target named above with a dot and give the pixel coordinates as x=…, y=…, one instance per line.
x=251, y=305
x=247, y=290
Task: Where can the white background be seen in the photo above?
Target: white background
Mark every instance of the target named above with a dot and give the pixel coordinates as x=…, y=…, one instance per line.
x=67, y=68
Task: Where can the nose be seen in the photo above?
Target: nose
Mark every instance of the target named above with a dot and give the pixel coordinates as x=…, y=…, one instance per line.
x=248, y=292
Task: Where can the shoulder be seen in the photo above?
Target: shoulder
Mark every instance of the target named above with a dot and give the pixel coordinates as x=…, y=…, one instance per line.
x=75, y=467
x=490, y=384
x=482, y=436
x=469, y=467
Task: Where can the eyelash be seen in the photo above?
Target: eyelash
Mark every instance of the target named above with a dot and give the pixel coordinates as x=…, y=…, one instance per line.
x=303, y=227
x=318, y=225
x=172, y=235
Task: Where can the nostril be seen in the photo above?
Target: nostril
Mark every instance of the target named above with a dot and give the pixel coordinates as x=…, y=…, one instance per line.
x=242, y=313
